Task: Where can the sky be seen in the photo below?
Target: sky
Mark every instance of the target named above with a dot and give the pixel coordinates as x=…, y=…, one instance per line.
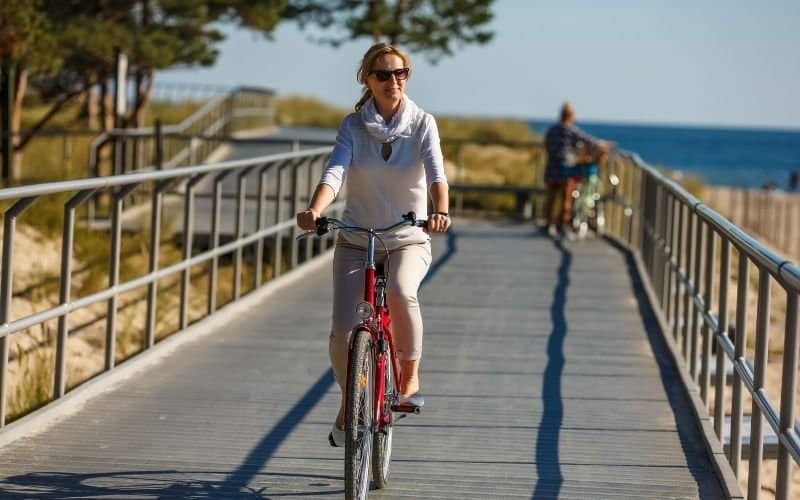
x=728, y=63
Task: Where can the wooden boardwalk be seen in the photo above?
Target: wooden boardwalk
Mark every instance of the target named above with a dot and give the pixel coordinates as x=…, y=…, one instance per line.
x=544, y=376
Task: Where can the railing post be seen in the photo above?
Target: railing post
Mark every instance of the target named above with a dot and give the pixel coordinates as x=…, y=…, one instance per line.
x=260, y=219
x=722, y=332
x=788, y=395
x=662, y=247
x=215, y=216
x=312, y=182
x=676, y=322
x=669, y=233
x=742, y=285
x=188, y=243
x=759, y=377
x=696, y=312
x=241, y=193
x=295, y=208
x=705, y=372
x=113, y=272
x=691, y=221
x=64, y=290
x=277, y=254
x=155, y=250
x=666, y=250
x=6, y=290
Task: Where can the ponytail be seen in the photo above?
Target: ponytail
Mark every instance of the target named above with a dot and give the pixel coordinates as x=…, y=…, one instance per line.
x=365, y=96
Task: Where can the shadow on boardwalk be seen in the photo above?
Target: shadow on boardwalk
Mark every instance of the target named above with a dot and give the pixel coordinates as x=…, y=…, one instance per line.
x=548, y=463
x=548, y=466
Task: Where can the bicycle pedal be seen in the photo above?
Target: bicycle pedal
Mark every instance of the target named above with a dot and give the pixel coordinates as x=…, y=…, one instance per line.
x=406, y=408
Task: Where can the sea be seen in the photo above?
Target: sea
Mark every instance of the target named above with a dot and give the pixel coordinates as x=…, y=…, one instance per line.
x=736, y=157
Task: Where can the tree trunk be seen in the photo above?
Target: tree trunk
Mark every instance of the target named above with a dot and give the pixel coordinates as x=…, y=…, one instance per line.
x=106, y=124
x=20, y=87
x=55, y=108
x=106, y=107
x=144, y=87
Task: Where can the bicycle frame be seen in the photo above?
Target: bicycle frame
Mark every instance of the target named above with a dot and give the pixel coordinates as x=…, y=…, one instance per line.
x=379, y=326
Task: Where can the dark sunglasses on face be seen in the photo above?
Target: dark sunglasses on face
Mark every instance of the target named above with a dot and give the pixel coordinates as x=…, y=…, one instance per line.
x=384, y=74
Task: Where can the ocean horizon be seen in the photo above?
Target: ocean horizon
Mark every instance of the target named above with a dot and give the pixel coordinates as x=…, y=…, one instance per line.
x=719, y=155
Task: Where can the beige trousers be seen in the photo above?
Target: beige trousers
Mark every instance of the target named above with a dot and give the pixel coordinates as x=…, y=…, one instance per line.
x=407, y=266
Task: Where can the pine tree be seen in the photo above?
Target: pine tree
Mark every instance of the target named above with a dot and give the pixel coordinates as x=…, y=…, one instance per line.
x=431, y=27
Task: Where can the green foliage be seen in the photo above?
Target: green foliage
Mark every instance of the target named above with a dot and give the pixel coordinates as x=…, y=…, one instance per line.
x=170, y=112
x=66, y=48
x=155, y=34
x=485, y=130
x=25, y=34
x=431, y=27
x=53, y=158
x=307, y=111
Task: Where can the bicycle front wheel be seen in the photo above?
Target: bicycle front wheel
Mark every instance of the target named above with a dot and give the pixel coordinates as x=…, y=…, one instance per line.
x=382, y=445
x=359, y=427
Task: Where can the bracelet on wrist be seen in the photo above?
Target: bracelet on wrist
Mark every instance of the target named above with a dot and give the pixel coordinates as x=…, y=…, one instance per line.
x=441, y=213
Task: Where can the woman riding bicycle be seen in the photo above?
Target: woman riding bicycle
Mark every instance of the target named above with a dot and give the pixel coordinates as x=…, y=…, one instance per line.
x=388, y=154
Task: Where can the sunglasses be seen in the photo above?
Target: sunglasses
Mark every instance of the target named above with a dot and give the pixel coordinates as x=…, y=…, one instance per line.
x=384, y=74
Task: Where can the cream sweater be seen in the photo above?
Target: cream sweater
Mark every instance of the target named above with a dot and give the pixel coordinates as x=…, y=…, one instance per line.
x=380, y=191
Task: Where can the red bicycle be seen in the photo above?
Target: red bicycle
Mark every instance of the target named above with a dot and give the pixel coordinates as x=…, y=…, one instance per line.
x=373, y=379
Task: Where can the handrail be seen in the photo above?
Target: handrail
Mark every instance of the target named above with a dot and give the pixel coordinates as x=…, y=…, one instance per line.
x=274, y=251
x=777, y=265
x=676, y=235
x=149, y=176
x=215, y=115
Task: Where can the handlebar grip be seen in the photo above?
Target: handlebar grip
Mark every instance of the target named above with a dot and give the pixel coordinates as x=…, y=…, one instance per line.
x=322, y=226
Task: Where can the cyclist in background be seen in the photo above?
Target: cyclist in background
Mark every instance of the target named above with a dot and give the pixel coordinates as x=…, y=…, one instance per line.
x=388, y=155
x=561, y=143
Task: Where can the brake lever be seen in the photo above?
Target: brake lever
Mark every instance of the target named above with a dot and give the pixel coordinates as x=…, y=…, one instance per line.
x=322, y=226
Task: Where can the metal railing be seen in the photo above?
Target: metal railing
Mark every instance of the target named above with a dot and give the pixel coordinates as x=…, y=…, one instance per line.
x=134, y=149
x=685, y=248
x=747, y=208
x=284, y=182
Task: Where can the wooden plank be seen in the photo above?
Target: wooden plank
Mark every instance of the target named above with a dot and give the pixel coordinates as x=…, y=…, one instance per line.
x=541, y=378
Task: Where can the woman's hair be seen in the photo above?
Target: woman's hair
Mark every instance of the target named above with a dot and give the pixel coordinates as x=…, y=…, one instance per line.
x=374, y=52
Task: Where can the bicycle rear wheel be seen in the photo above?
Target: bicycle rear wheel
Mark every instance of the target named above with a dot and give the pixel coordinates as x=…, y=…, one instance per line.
x=579, y=221
x=358, y=417
x=382, y=444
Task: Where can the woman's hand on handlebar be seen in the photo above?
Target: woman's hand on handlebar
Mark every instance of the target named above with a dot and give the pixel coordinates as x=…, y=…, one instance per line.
x=438, y=222
x=307, y=218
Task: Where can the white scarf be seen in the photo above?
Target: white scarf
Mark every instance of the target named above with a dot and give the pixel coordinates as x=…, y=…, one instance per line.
x=402, y=123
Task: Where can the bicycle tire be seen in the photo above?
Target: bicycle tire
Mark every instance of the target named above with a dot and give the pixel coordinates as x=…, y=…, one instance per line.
x=382, y=442
x=358, y=417
x=579, y=217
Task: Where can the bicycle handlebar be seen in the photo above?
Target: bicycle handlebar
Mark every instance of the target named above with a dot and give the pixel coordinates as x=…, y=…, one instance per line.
x=324, y=224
